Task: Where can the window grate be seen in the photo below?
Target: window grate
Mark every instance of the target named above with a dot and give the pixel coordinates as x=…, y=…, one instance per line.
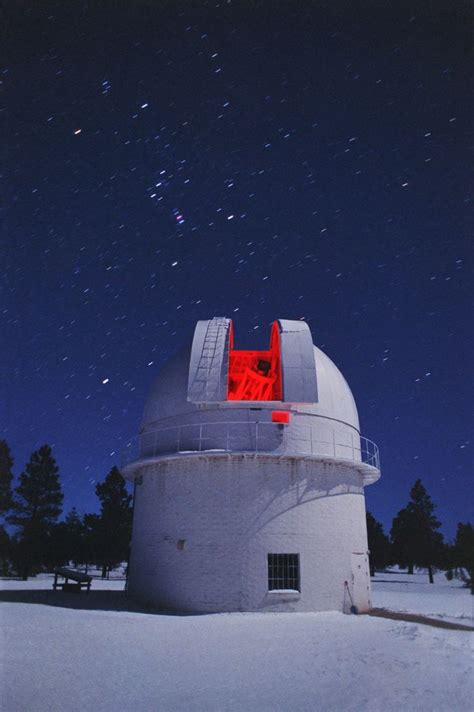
x=283, y=572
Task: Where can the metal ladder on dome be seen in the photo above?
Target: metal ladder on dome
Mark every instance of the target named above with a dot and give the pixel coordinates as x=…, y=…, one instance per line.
x=209, y=370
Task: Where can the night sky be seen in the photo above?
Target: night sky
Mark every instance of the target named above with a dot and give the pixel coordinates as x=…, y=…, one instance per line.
x=166, y=162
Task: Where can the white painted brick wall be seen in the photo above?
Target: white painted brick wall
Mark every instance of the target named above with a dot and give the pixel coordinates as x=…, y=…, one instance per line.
x=234, y=510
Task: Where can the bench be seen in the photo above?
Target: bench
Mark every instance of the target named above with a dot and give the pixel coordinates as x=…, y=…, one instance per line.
x=80, y=580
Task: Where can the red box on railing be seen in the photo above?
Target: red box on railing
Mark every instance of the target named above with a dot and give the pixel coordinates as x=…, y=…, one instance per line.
x=280, y=416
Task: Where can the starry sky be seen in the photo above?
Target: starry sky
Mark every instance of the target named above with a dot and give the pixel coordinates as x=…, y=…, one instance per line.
x=166, y=162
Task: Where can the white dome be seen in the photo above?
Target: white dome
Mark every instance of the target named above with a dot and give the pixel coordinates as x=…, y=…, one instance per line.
x=191, y=408
x=335, y=399
x=168, y=395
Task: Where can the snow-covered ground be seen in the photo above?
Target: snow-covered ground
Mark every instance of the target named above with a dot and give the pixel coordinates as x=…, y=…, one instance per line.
x=444, y=600
x=99, y=652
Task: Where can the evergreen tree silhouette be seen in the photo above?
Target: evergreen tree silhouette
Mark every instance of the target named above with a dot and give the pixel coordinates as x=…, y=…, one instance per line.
x=6, y=477
x=37, y=504
x=114, y=525
x=463, y=551
x=66, y=541
x=414, y=532
x=379, y=545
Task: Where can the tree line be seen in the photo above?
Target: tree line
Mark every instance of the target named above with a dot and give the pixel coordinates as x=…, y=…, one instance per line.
x=415, y=541
x=40, y=540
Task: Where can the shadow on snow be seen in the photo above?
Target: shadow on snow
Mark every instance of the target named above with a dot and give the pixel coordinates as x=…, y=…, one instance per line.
x=92, y=601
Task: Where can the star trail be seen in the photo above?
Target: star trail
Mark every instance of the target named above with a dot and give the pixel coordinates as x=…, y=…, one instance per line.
x=169, y=162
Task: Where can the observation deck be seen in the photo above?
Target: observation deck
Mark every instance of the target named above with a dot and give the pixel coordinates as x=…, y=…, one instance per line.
x=257, y=438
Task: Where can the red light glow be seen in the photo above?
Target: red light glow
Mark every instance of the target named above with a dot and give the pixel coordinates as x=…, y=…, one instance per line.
x=256, y=375
x=280, y=416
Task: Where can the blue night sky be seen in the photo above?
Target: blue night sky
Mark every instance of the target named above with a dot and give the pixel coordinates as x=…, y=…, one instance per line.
x=166, y=162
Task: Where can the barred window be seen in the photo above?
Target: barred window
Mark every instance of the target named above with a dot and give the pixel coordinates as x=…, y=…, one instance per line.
x=283, y=572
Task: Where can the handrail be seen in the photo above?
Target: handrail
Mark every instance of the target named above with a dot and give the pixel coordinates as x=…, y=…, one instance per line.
x=248, y=436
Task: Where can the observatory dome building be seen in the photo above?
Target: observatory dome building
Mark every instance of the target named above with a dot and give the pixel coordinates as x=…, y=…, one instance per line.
x=249, y=475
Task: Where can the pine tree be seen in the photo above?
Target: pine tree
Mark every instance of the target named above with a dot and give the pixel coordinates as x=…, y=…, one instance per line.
x=463, y=552
x=5, y=551
x=6, y=476
x=113, y=528
x=37, y=505
x=74, y=535
x=414, y=533
x=90, y=526
x=401, y=535
x=66, y=541
x=379, y=545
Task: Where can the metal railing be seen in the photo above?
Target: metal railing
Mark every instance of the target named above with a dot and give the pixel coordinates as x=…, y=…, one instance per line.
x=249, y=437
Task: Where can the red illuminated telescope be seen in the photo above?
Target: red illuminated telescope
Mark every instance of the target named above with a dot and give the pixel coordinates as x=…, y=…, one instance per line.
x=285, y=372
x=255, y=375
